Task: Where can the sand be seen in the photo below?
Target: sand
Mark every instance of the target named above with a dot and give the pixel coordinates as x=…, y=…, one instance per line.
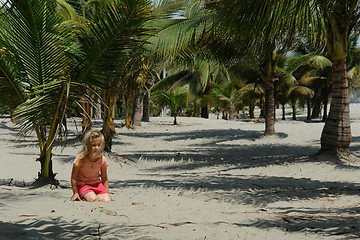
x=202, y=179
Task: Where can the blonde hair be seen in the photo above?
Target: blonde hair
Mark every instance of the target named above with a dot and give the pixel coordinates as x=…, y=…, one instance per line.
x=88, y=138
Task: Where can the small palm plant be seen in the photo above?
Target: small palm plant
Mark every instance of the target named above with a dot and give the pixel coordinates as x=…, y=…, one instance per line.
x=175, y=100
x=44, y=64
x=35, y=71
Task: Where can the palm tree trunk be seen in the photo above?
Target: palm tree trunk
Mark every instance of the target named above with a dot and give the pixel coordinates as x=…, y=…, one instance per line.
x=128, y=108
x=269, y=107
x=108, y=123
x=326, y=101
x=86, y=123
x=336, y=134
x=136, y=118
x=293, y=105
x=231, y=113
x=283, y=112
x=204, y=110
x=316, y=109
x=146, y=106
x=262, y=110
x=252, y=110
x=308, y=106
x=46, y=156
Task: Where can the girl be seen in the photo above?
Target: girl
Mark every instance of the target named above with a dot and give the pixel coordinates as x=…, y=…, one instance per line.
x=89, y=179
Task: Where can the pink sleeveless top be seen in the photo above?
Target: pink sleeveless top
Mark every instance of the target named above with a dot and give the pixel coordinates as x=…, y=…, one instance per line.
x=89, y=172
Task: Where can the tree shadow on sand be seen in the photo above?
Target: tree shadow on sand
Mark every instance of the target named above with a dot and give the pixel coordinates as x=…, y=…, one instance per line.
x=312, y=222
x=59, y=228
x=262, y=192
x=258, y=191
x=218, y=156
x=220, y=147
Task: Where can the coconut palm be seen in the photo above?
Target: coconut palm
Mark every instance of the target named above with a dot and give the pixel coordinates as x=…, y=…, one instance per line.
x=44, y=65
x=317, y=76
x=35, y=71
x=294, y=78
x=177, y=42
x=333, y=22
x=265, y=41
x=329, y=21
x=198, y=73
x=224, y=96
x=310, y=67
x=353, y=62
x=175, y=100
x=113, y=41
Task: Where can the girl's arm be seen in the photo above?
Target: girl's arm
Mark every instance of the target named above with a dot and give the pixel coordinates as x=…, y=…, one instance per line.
x=104, y=178
x=74, y=176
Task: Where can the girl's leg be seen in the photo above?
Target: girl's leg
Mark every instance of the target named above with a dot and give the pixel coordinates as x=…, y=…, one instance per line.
x=105, y=197
x=90, y=197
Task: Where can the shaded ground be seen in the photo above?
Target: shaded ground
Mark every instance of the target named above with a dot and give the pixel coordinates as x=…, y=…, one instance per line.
x=203, y=179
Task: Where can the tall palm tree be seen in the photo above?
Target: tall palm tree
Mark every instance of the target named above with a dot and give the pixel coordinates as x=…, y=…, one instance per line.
x=353, y=62
x=330, y=21
x=264, y=41
x=339, y=19
x=333, y=21
x=177, y=41
x=294, y=78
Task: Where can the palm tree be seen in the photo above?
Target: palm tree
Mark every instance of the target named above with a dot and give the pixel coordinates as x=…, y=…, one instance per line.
x=317, y=76
x=294, y=77
x=224, y=96
x=264, y=41
x=333, y=21
x=353, y=62
x=44, y=66
x=330, y=21
x=339, y=19
x=36, y=71
x=178, y=43
x=111, y=42
x=311, y=68
x=175, y=100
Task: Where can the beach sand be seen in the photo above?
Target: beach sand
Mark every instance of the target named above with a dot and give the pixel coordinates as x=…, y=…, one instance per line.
x=202, y=179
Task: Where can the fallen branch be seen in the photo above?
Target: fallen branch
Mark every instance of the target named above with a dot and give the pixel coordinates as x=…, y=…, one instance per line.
x=147, y=225
x=179, y=224
x=161, y=225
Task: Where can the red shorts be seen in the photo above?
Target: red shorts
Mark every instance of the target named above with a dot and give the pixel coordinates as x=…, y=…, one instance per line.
x=97, y=188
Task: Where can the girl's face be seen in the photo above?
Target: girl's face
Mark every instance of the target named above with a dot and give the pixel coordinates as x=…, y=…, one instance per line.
x=95, y=148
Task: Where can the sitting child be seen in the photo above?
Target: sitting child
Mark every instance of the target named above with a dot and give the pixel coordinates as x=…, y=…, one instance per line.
x=89, y=180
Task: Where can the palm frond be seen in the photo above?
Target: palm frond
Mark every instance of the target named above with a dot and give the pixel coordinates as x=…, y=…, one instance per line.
x=38, y=45
x=310, y=80
x=252, y=87
x=11, y=88
x=108, y=43
x=176, y=32
x=285, y=76
x=302, y=91
x=354, y=77
x=181, y=78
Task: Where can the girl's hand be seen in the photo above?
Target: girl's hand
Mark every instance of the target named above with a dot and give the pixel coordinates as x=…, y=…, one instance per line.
x=75, y=197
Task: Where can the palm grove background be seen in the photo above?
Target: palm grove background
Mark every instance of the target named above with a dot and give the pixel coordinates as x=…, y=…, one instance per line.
x=131, y=58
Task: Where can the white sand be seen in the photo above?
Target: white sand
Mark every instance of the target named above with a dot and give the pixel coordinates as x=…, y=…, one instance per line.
x=202, y=179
